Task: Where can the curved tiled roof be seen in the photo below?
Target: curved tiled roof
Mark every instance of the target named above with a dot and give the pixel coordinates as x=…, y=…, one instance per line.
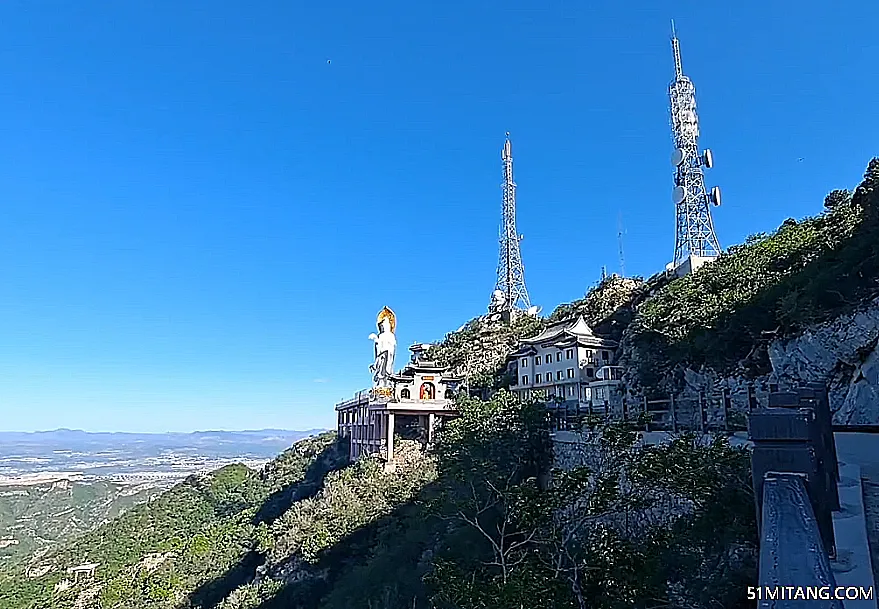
x=563, y=334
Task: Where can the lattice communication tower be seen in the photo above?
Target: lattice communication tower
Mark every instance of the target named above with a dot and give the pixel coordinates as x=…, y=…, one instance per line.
x=509, y=295
x=694, y=228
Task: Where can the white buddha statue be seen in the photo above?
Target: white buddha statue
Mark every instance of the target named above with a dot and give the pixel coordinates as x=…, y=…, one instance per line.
x=385, y=348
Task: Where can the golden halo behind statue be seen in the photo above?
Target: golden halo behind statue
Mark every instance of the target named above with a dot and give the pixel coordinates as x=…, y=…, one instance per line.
x=386, y=313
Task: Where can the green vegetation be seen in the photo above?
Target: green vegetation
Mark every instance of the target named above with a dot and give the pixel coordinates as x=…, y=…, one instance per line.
x=39, y=516
x=178, y=543
x=589, y=538
x=479, y=350
x=602, y=304
x=478, y=524
x=806, y=272
x=483, y=521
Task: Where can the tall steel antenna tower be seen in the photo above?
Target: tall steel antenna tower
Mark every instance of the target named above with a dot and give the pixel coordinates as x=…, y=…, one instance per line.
x=509, y=294
x=694, y=228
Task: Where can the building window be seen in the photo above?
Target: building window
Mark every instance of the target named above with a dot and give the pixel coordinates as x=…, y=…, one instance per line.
x=525, y=380
x=589, y=356
x=536, y=378
x=570, y=354
x=449, y=394
x=590, y=372
x=428, y=391
x=524, y=362
x=537, y=361
x=405, y=394
x=558, y=356
x=570, y=390
x=605, y=355
x=570, y=373
x=558, y=375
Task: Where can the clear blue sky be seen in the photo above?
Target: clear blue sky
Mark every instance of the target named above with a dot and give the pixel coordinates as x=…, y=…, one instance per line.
x=201, y=216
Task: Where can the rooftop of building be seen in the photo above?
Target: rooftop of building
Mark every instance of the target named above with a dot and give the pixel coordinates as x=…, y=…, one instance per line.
x=565, y=333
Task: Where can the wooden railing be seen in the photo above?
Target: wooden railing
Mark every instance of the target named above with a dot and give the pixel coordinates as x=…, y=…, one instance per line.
x=707, y=412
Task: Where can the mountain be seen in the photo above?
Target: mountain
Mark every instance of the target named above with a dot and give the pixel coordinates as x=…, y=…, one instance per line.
x=200, y=528
x=74, y=439
x=310, y=531
x=57, y=485
x=475, y=522
x=798, y=305
x=36, y=516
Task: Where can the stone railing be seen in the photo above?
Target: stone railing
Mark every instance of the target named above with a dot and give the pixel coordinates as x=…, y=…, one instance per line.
x=795, y=474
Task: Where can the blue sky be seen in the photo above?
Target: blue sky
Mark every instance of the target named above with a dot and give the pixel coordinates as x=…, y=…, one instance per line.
x=205, y=204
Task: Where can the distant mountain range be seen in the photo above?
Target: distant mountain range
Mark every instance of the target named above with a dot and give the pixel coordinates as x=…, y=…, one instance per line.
x=265, y=442
x=64, y=433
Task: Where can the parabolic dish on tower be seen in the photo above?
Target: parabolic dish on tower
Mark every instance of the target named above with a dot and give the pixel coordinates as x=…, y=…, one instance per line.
x=677, y=157
x=708, y=158
x=678, y=194
x=715, y=195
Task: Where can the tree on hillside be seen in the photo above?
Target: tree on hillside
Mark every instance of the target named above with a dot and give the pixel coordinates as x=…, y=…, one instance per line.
x=604, y=534
x=478, y=351
x=866, y=195
x=836, y=198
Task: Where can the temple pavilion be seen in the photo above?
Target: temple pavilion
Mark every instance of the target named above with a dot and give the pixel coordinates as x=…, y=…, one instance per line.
x=416, y=404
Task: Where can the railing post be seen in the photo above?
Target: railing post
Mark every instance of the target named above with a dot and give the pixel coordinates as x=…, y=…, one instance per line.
x=825, y=418
x=727, y=403
x=752, y=398
x=703, y=407
x=822, y=441
x=814, y=395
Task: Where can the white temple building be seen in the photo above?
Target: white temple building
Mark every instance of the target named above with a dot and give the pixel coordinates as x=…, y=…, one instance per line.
x=569, y=364
x=411, y=403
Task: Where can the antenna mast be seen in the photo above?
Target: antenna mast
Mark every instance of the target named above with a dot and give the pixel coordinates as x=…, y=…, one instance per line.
x=620, y=243
x=510, y=294
x=694, y=227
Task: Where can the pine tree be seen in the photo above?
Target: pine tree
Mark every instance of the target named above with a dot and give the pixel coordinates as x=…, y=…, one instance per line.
x=837, y=198
x=867, y=194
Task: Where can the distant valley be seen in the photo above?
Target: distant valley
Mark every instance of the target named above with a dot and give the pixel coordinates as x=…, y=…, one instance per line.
x=57, y=484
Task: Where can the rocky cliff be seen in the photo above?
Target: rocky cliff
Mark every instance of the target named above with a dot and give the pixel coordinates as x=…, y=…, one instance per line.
x=841, y=353
x=799, y=305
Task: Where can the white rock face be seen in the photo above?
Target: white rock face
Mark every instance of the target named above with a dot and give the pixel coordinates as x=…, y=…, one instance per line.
x=842, y=353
